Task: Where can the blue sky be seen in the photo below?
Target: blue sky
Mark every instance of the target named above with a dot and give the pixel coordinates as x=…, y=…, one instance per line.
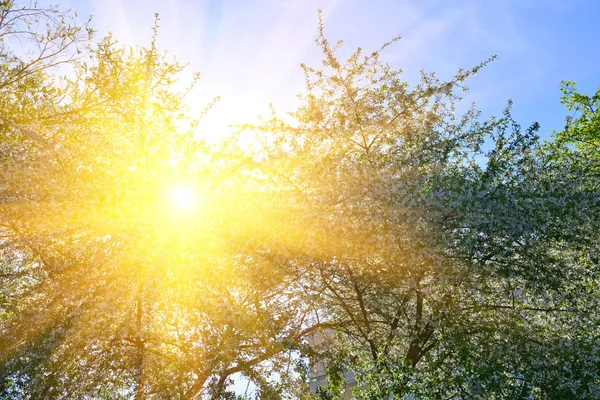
x=248, y=51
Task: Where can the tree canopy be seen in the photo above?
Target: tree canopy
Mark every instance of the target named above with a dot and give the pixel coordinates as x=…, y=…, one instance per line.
x=376, y=229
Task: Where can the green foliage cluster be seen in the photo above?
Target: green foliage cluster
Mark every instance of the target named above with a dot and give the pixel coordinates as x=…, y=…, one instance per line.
x=361, y=238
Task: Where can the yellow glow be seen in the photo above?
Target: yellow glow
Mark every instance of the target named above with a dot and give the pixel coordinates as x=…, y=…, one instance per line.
x=183, y=198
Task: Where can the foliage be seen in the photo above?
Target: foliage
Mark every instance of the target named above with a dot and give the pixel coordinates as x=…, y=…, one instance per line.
x=582, y=130
x=443, y=277
x=111, y=292
x=362, y=233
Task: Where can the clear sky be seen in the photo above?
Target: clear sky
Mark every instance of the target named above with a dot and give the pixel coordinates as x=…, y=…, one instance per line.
x=248, y=51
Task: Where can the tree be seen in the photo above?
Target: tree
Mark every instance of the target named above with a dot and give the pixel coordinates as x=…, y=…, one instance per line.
x=440, y=276
x=111, y=294
x=48, y=38
x=366, y=217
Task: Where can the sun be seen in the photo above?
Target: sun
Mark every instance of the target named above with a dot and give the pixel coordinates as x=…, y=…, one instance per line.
x=182, y=198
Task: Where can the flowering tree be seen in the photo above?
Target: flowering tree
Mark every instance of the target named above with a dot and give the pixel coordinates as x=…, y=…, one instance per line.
x=139, y=261
x=445, y=270
x=112, y=288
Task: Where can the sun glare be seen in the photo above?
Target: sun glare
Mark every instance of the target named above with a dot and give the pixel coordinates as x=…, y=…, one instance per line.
x=183, y=198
